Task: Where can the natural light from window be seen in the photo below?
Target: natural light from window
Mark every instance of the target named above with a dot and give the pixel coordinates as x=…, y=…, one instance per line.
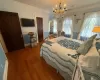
x=67, y=24
x=89, y=23
x=54, y=26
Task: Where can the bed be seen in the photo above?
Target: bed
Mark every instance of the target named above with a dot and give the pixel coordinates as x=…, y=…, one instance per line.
x=56, y=54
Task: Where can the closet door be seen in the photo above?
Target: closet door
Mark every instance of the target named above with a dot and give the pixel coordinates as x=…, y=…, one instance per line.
x=11, y=31
x=40, y=28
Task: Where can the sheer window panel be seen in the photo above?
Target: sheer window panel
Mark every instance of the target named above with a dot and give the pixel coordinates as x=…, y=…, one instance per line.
x=90, y=22
x=67, y=24
x=55, y=26
x=49, y=25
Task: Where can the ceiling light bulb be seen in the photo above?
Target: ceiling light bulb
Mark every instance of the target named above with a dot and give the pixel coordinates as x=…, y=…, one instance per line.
x=65, y=5
x=56, y=6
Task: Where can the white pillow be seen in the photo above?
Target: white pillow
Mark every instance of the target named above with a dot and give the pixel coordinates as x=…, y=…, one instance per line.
x=94, y=42
x=90, y=59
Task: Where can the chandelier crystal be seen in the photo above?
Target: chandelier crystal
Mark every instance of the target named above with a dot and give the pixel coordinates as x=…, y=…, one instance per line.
x=60, y=8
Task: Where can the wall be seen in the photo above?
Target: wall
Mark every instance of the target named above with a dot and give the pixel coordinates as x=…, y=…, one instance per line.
x=2, y=62
x=26, y=11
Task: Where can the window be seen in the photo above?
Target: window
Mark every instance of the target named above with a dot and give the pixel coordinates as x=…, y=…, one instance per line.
x=54, y=26
x=67, y=24
x=89, y=23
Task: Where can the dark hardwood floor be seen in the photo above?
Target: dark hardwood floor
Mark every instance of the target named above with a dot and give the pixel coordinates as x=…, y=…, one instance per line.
x=26, y=64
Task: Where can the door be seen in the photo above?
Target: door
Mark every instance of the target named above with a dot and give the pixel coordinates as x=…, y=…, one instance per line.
x=11, y=31
x=40, y=28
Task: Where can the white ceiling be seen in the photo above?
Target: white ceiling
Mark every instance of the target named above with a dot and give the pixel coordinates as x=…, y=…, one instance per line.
x=49, y=4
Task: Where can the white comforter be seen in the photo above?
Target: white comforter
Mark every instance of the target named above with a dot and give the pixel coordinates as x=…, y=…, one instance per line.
x=89, y=60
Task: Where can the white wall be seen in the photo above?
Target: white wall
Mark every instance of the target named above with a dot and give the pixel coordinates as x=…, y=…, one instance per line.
x=26, y=11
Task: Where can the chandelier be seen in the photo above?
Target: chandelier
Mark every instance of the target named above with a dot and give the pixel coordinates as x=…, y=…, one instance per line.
x=60, y=8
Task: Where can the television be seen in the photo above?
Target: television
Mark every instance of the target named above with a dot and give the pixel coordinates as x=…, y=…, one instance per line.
x=27, y=22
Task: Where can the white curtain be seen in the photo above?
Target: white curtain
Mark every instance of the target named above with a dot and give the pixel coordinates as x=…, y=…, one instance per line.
x=51, y=26
x=67, y=25
x=91, y=20
x=55, y=26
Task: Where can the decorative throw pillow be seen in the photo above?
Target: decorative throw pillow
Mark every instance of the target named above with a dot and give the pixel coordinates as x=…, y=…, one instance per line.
x=93, y=37
x=90, y=59
x=94, y=42
x=84, y=48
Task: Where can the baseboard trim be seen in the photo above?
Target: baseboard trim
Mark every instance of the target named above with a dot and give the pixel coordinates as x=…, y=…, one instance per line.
x=5, y=70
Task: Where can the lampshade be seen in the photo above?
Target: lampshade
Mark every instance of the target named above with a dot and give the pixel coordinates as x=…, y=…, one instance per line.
x=96, y=29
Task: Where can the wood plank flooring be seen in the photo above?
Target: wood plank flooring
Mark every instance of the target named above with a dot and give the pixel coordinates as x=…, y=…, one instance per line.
x=26, y=64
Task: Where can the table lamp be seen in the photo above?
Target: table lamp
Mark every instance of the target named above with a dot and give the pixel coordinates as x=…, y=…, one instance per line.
x=96, y=29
